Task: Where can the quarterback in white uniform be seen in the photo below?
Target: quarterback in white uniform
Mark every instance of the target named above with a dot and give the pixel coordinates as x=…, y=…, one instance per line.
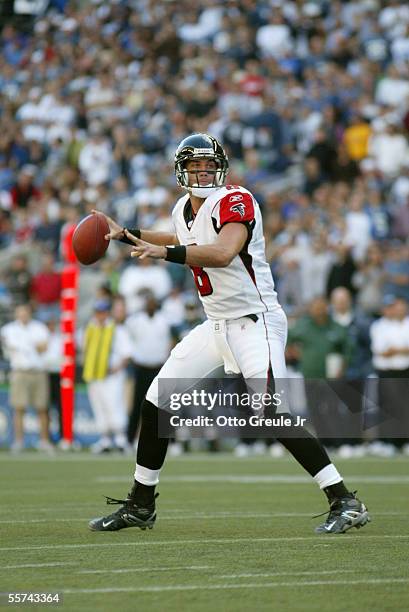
x=246, y=328
x=246, y=282
x=219, y=235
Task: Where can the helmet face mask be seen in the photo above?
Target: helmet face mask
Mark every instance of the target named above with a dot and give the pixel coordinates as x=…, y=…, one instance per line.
x=200, y=147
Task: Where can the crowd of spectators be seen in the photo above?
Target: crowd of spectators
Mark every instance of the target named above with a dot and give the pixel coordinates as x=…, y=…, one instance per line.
x=310, y=100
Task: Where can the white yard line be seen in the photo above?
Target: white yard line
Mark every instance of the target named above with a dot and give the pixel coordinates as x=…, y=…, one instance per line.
x=35, y=565
x=256, y=585
x=198, y=541
x=271, y=575
x=130, y=570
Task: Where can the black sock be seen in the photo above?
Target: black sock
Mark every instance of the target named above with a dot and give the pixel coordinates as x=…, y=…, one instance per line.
x=143, y=495
x=307, y=450
x=151, y=449
x=336, y=491
x=311, y=454
x=151, y=452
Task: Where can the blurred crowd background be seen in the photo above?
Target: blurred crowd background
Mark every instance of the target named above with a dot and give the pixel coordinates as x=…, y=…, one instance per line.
x=310, y=100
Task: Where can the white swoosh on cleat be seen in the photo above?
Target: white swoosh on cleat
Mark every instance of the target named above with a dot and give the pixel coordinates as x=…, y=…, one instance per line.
x=107, y=524
x=329, y=527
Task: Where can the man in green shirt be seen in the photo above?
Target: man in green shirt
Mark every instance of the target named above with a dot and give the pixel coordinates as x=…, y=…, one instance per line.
x=318, y=336
x=323, y=348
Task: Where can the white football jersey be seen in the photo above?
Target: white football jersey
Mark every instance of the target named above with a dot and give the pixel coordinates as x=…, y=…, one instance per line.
x=246, y=285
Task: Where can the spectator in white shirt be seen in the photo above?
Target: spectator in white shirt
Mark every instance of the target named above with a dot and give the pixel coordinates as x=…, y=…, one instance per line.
x=274, y=39
x=390, y=339
x=95, y=159
x=389, y=148
x=400, y=47
x=358, y=227
x=400, y=188
x=24, y=342
x=151, y=335
x=392, y=90
x=314, y=268
x=369, y=280
x=52, y=360
x=144, y=275
x=390, y=348
x=393, y=17
x=152, y=194
x=101, y=93
x=173, y=307
x=205, y=26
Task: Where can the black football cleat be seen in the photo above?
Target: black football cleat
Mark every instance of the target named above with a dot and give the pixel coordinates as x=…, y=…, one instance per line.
x=344, y=513
x=129, y=515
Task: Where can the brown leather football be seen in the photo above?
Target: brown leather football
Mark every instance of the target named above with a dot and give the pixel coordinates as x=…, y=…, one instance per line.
x=88, y=240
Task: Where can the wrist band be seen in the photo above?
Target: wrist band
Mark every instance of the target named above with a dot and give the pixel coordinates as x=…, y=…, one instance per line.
x=176, y=254
x=135, y=232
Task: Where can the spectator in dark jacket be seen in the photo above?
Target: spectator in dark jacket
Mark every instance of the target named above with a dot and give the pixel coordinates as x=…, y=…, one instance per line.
x=18, y=280
x=342, y=270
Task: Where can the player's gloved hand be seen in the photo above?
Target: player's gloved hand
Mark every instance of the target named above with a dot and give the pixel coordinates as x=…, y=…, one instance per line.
x=116, y=232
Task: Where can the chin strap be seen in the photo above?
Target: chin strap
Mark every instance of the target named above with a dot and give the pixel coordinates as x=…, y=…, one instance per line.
x=202, y=192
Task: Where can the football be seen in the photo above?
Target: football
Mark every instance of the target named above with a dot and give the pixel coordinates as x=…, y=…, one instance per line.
x=88, y=240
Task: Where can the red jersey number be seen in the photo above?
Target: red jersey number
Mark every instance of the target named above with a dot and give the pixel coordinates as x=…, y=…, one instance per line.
x=202, y=281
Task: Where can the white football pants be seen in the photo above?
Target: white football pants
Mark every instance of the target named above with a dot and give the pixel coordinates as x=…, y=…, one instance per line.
x=236, y=345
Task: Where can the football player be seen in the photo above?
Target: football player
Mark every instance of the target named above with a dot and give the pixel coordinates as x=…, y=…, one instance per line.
x=219, y=235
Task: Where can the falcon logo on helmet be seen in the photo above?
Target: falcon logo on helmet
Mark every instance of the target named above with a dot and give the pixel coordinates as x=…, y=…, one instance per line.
x=201, y=146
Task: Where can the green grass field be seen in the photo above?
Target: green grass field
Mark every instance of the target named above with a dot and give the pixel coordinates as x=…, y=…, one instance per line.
x=232, y=535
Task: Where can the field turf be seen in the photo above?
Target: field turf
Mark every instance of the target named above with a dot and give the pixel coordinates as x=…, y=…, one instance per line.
x=232, y=535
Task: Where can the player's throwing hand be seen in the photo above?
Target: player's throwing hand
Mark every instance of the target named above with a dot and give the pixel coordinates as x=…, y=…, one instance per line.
x=116, y=232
